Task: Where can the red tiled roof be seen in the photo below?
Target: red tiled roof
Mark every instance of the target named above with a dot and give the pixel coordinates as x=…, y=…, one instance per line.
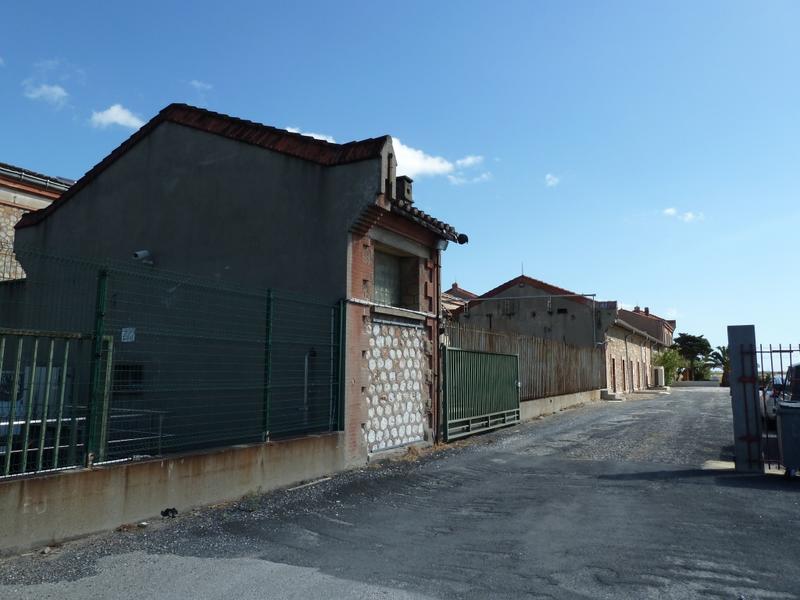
x=549, y=288
x=460, y=292
x=442, y=229
x=546, y=287
x=668, y=323
x=248, y=132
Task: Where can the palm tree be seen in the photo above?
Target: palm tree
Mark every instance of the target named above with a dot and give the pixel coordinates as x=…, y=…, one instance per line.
x=719, y=359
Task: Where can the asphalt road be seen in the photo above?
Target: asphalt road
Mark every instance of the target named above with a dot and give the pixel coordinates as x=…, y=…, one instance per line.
x=606, y=501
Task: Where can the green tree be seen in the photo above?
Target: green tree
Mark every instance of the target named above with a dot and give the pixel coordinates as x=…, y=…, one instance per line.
x=694, y=349
x=719, y=359
x=672, y=361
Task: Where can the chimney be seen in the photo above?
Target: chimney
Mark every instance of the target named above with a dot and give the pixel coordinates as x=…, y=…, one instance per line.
x=647, y=310
x=637, y=309
x=404, y=188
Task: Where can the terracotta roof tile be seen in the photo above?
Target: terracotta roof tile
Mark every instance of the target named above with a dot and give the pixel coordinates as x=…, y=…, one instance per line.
x=409, y=211
x=460, y=292
x=546, y=287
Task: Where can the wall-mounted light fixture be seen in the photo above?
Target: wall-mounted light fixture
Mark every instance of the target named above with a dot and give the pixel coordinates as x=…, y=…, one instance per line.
x=144, y=257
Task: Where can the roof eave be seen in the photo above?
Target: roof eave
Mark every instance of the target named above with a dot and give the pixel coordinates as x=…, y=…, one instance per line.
x=639, y=332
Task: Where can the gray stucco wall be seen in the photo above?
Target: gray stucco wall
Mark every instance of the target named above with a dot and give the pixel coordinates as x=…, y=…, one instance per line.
x=511, y=312
x=218, y=208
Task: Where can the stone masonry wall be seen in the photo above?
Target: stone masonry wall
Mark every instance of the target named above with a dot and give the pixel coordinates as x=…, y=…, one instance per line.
x=638, y=362
x=9, y=267
x=8, y=218
x=398, y=397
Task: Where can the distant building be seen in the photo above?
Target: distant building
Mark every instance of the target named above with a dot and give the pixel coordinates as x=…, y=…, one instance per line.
x=22, y=191
x=528, y=306
x=455, y=298
x=659, y=328
x=632, y=343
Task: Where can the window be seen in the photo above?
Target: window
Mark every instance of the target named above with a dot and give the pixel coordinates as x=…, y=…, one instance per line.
x=509, y=308
x=387, y=279
x=396, y=280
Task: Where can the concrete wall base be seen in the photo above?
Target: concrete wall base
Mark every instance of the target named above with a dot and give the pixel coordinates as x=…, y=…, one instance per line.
x=531, y=409
x=40, y=510
x=695, y=384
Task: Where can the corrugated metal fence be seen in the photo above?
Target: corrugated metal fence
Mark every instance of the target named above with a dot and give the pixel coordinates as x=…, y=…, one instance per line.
x=546, y=367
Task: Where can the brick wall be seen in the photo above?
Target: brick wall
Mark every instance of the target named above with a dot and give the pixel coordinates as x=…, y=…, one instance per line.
x=365, y=391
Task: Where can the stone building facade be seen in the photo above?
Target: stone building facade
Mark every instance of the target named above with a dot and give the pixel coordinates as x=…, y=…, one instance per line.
x=629, y=358
x=658, y=327
x=528, y=306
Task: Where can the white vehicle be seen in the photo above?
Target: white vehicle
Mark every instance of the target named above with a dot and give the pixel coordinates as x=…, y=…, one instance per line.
x=771, y=394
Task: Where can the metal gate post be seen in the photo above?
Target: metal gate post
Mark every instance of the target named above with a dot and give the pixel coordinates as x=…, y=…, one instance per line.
x=445, y=394
x=95, y=446
x=744, y=398
x=340, y=404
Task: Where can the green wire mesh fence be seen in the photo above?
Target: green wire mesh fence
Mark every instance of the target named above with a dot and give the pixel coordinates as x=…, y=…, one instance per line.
x=103, y=361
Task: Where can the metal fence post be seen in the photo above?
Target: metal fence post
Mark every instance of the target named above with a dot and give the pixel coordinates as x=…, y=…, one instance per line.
x=342, y=365
x=267, y=366
x=445, y=395
x=95, y=449
x=13, y=407
x=29, y=409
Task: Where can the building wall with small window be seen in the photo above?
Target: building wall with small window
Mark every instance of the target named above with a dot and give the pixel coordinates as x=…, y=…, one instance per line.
x=392, y=337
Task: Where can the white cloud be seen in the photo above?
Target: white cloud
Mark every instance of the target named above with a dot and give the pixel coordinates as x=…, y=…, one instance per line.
x=201, y=86
x=52, y=94
x=469, y=161
x=686, y=217
x=417, y=163
x=551, y=180
x=116, y=114
x=58, y=69
x=459, y=179
x=317, y=136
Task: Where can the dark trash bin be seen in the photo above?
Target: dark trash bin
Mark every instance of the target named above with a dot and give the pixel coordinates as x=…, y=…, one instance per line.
x=789, y=434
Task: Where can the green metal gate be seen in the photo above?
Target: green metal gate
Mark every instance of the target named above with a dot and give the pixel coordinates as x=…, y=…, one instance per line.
x=481, y=391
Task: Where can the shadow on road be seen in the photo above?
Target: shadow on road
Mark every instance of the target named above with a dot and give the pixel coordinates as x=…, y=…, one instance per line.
x=724, y=478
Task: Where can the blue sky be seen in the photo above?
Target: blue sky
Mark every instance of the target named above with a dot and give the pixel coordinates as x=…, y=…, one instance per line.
x=646, y=152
